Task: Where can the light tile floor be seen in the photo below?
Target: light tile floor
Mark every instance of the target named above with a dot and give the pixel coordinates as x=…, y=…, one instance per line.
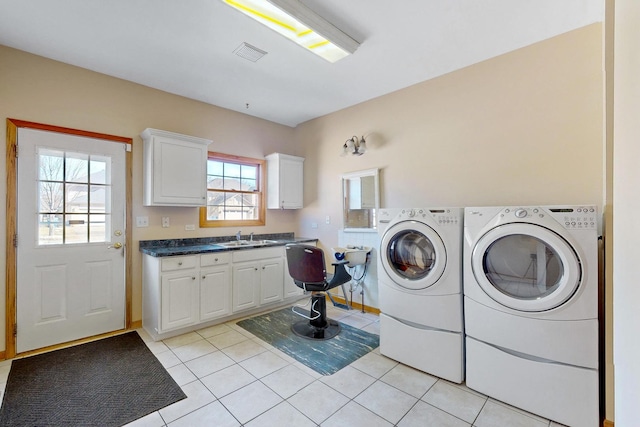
x=232, y=378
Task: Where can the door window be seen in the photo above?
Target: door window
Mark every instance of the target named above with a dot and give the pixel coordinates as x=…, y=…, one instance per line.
x=523, y=267
x=411, y=254
x=526, y=267
x=74, y=193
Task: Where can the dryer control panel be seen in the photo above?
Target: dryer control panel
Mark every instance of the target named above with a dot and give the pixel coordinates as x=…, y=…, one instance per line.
x=584, y=218
x=443, y=216
x=571, y=217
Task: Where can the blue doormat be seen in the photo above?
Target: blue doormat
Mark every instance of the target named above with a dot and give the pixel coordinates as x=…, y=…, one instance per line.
x=325, y=357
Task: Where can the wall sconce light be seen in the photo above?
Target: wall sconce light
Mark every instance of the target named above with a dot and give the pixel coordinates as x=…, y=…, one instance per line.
x=354, y=146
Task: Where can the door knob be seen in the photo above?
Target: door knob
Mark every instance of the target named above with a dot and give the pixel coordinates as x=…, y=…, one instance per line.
x=116, y=245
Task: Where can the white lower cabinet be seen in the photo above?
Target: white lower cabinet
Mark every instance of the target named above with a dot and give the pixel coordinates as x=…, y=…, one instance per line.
x=215, y=283
x=258, y=277
x=182, y=292
x=246, y=282
x=179, y=300
x=215, y=300
x=271, y=280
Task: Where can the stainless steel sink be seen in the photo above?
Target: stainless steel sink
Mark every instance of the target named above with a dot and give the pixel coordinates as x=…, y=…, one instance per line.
x=246, y=243
x=234, y=243
x=267, y=242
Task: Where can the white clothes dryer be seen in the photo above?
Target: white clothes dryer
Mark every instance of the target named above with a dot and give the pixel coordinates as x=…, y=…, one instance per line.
x=531, y=309
x=420, y=291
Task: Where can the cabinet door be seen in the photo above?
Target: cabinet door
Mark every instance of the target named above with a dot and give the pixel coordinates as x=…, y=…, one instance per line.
x=291, y=185
x=271, y=279
x=246, y=286
x=175, y=169
x=284, y=181
x=215, y=292
x=179, y=172
x=179, y=300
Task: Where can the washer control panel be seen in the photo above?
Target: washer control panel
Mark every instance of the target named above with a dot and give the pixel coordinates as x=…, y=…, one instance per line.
x=442, y=217
x=571, y=217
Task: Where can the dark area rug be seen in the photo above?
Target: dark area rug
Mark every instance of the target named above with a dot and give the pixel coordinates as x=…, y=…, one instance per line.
x=104, y=383
x=325, y=357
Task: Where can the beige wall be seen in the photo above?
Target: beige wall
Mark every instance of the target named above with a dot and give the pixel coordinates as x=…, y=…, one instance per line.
x=40, y=90
x=524, y=128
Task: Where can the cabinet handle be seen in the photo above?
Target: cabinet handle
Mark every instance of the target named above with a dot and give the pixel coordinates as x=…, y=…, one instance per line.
x=180, y=263
x=263, y=267
x=204, y=277
x=193, y=278
x=216, y=259
x=256, y=269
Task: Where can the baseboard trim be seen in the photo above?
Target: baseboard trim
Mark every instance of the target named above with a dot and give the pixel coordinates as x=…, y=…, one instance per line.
x=136, y=325
x=607, y=423
x=355, y=305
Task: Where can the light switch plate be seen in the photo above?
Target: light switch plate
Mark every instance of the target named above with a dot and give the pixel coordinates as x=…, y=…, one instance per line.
x=165, y=222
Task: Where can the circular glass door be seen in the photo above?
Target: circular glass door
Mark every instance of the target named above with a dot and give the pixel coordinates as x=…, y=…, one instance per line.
x=413, y=254
x=526, y=267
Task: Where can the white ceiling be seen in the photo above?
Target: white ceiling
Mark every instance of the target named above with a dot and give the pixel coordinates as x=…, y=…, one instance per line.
x=186, y=47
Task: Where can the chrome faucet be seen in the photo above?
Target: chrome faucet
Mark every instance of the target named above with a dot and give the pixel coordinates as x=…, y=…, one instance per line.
x=238, y=235
x=251, y=236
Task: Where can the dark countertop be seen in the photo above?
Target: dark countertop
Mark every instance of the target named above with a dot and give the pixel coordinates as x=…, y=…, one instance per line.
x=194, y=246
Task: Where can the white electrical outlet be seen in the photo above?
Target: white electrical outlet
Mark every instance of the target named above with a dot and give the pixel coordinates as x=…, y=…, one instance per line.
x=327, y=220
x=165, y=222
x=189, y=227
x=142, y=221
x=314, y=225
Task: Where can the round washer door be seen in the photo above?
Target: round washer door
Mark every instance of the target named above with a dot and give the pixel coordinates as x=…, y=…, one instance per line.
x=526, y=267
x=413, y=254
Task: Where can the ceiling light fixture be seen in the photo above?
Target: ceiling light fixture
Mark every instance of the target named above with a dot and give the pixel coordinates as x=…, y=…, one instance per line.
x=297, y=22
x=354, y=146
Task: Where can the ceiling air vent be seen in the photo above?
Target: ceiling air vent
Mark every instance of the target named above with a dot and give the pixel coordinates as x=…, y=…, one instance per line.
x=252, y=53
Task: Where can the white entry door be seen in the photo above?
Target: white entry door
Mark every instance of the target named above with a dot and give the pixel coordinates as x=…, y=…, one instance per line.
x=70, y=238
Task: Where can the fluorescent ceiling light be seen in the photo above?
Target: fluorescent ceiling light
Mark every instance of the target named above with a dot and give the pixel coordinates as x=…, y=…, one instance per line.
x=297, y=22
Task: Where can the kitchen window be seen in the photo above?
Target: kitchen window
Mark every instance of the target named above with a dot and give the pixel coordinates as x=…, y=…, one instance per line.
x=235, y=191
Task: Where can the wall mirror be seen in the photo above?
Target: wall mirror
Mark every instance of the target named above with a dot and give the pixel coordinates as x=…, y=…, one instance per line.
x=360, y=199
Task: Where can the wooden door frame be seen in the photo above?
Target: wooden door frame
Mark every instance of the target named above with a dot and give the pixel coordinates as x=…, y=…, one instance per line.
x=11, y=217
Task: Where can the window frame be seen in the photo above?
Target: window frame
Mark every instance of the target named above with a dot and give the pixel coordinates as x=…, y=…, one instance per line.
x=261, y=191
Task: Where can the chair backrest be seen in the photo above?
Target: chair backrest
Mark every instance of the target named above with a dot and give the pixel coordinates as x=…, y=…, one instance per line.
x=306, y=263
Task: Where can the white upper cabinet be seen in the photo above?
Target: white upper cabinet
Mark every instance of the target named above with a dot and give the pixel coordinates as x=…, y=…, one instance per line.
x=284, y=181
x=175, y=169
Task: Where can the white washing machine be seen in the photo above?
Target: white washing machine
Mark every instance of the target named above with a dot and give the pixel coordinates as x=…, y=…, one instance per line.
x=420, y=290
x=531, y=309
